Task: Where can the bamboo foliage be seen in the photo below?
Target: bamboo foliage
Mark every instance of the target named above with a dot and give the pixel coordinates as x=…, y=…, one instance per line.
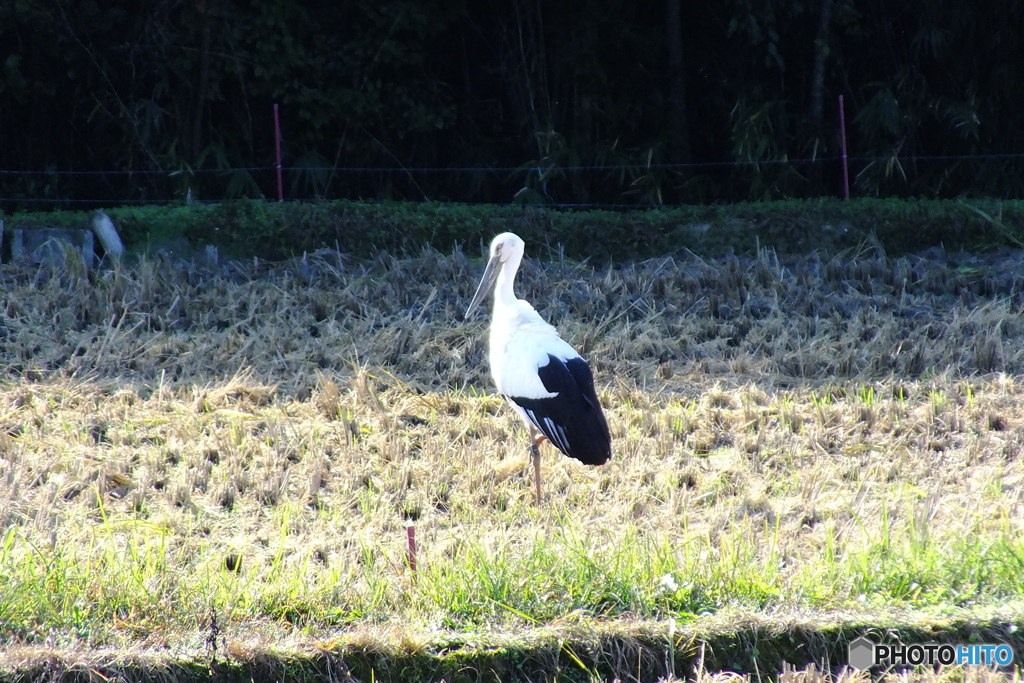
x=565, y=102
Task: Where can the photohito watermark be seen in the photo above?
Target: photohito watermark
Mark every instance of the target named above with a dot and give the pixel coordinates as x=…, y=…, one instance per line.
x=866, y=653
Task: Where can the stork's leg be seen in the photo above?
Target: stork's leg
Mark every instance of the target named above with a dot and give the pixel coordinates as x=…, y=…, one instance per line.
x=535, y=451
x=535, y=439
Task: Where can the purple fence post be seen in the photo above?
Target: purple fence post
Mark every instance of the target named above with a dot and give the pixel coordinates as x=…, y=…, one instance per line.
x=842, y=137
x=277, y=145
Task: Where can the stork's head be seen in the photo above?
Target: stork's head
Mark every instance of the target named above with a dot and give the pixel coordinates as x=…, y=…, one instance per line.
x=506, y=252
x=505, y=245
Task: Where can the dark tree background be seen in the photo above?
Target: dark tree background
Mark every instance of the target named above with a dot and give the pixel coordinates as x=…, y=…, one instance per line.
x=583, y=102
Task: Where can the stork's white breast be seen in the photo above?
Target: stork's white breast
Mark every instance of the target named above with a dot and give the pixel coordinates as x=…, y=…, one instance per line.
x=520, y=344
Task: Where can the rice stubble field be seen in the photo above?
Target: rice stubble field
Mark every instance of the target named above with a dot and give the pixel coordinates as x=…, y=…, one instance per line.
x=221, y=464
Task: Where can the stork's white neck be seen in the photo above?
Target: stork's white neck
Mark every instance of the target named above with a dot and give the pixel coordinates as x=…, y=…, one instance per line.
x=504, y=296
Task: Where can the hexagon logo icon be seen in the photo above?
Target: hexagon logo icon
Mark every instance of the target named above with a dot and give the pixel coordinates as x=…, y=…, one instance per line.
x=862, y=653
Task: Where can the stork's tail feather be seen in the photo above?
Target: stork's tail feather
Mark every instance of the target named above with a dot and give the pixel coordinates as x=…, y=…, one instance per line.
x=572, y=420
x=581, y=433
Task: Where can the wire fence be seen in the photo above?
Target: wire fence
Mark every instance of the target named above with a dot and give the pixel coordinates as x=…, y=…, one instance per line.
x=569, y=186
x=476, y=169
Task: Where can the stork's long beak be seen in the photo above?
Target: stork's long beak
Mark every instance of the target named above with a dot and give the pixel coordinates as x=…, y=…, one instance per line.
x=486, y=282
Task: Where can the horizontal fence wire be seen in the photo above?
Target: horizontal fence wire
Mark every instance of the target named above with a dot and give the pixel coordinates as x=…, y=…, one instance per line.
x=527, y=171
x=525, y=167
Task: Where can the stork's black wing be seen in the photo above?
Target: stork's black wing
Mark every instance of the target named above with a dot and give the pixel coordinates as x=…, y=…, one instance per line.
x=572, y=420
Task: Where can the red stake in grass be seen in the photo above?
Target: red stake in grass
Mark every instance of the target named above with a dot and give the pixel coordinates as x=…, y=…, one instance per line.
x=410, y=532
x=277, y=145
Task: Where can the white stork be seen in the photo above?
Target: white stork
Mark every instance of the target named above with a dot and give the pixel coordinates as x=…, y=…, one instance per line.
x=545, y=380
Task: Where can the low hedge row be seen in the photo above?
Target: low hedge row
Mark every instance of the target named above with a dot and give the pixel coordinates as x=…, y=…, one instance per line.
x=275, y=230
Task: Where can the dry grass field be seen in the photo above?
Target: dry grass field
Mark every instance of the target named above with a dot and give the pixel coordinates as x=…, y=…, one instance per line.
x=204, y=461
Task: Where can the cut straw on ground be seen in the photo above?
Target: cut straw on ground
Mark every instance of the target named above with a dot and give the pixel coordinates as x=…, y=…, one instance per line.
x=183, y=446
